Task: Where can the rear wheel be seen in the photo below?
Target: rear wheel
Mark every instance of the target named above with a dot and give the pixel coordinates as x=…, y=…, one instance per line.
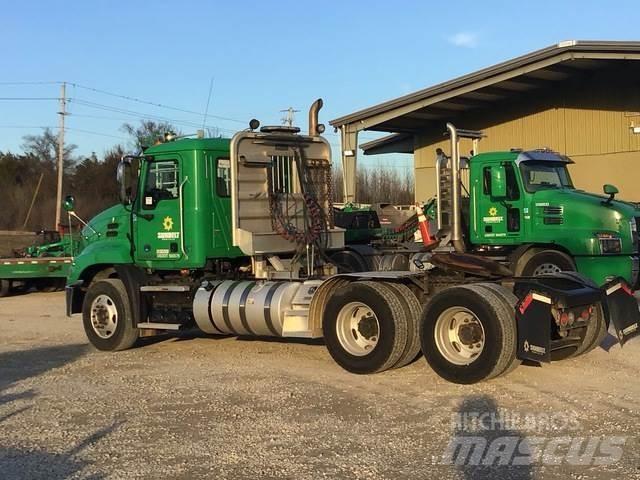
x=468, y=334
x=365, y=327
x=536, y=262
x=106, y=316
x=510, y=302
x=47, y=284
x=595, y=332
x=412, y=310
x=349, y=261
x=5, y=288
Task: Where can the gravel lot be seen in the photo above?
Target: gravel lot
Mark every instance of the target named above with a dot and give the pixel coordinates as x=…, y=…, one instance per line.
x=207, y=407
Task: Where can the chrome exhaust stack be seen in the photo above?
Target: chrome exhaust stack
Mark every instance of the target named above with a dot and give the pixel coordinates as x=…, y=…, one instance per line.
x=315, y=128
x=456, y=221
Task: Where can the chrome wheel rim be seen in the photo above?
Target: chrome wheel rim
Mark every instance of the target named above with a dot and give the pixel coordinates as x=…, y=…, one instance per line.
x=459, y=336
x=104, y=316
x=357, y=328
x=546, y=268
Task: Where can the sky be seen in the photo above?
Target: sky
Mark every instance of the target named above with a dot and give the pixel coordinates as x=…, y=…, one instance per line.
x=260, y=57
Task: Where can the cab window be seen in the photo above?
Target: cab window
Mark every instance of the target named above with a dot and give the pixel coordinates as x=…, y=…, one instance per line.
x=223, y=177
x=513, y=192
x=161, y=182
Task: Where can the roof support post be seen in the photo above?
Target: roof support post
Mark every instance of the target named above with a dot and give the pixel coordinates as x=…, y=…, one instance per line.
x=349, y=144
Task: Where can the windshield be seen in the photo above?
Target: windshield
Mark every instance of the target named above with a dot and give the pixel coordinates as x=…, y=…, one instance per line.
x=539, y=175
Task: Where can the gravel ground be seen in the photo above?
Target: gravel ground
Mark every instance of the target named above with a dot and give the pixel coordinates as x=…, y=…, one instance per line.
x=208, y=407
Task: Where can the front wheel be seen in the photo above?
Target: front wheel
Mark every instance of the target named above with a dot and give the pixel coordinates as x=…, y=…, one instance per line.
x=106, y=316
x=468, y=334
x=535, y=262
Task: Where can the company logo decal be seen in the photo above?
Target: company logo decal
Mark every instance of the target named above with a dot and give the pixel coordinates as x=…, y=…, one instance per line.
x=493, y=216
x=167, y=224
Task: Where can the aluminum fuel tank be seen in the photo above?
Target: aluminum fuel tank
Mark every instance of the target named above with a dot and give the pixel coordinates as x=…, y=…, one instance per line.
x=244, y=307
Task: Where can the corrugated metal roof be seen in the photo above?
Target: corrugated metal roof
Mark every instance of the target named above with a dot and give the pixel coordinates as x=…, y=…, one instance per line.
x=594, y=49
x=397, y=142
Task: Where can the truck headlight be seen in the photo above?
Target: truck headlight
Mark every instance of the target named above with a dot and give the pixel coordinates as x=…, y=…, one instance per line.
x=609, y=243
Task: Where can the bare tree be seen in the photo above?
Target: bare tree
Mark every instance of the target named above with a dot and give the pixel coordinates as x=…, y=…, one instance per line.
x=45, y=148
x=378, y=185
x=148, y=132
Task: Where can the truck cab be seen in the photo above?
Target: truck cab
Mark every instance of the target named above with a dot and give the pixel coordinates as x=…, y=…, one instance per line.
x=523, y=206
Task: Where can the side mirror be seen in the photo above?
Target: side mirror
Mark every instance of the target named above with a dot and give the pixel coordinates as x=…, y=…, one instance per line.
x=498, y=182
x=69, y=203
x=610, y=190
x=124, y=180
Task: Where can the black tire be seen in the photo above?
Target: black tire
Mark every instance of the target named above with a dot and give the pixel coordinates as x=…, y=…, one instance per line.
x=535, y=259
x=5, y=287
x=124, y=335
x=46, y=285
x=510, y=302
x=391, y=335
x=596, y=330
x=412, y=309
x=498, y=325
x=349, y=261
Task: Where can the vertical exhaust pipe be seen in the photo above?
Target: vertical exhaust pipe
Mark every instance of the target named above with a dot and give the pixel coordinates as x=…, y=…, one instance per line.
x=313, y=118
x=456, y=221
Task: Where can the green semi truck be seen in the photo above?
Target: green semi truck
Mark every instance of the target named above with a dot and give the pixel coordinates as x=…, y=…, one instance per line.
x=521, y=208
x=237, y=237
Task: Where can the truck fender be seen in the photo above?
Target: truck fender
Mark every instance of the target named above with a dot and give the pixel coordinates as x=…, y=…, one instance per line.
x=133, y=278
x=519, y=260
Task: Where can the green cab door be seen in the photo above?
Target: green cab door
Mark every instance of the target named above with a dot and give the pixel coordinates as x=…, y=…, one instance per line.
x=498, y=212
x=157, y=220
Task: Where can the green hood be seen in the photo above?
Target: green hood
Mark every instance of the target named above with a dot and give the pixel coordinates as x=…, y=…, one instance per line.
x=583, y=215
x=112, y=223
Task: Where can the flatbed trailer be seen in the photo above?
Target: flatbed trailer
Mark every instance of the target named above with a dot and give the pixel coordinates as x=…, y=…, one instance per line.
x=44, y=273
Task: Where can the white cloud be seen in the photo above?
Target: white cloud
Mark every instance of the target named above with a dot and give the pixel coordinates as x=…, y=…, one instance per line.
x=464, y=39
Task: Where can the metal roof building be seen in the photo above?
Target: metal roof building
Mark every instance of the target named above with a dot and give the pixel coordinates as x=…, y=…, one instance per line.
x=581, y=98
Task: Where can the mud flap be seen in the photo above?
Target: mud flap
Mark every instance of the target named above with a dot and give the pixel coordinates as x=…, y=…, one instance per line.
x=622, y=309
x=533, y=315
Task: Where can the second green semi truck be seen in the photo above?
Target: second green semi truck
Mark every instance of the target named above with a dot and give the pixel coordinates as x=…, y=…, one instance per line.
x=522, y=208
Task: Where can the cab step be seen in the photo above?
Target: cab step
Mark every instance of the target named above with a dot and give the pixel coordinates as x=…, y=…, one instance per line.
x=165, y=288
x=160, y=326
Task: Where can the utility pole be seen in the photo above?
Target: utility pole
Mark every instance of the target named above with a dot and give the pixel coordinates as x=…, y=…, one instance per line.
x=62, y=113
x=289, y=118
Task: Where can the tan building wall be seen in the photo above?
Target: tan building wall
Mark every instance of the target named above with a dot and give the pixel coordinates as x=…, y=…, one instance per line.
x=590, y=122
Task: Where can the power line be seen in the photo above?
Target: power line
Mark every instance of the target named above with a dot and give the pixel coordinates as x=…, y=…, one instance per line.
x=27, y=126
x=109, y=108
x=28, y=98
x=94, y=133
x=32, y=83
x=137, y=100
x=155, y=104
x=66, y=128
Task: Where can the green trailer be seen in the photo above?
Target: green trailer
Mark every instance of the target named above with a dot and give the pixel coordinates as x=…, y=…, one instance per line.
x=43, y=265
